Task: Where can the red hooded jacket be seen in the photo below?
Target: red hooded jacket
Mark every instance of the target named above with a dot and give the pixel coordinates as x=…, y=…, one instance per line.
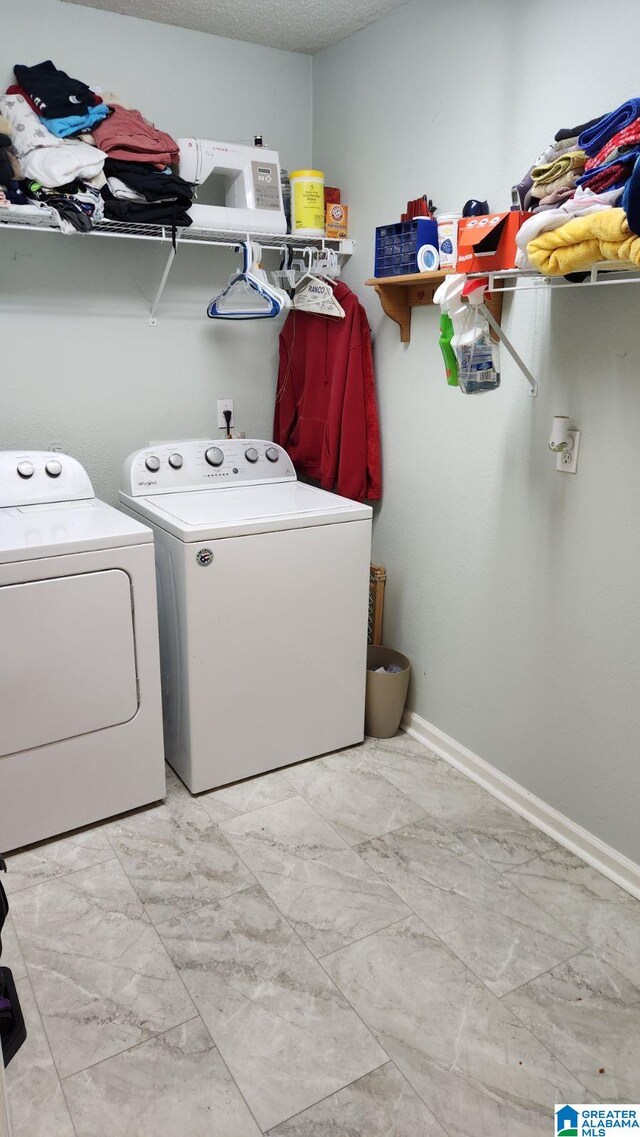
x=326, y=416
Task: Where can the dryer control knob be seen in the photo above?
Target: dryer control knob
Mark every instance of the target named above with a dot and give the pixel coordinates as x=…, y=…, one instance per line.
x=214, y=456
x=175, y=461
x=25, y=469
x=53, y=468
x=251, y=454
x=272, y=454
x=152, y=463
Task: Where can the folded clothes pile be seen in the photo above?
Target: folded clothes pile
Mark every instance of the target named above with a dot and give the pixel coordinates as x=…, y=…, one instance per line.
x=580, y=204
x=53, y=93
x=612, y=145
x=57, y=136
x=577, y=244
x=588, y=169
x=39, y=158
x=139, y=192
x=554, y=176
x=43, y=156
x=126, y=136
x=75, y=207
x=558, y=175
x=65, y=106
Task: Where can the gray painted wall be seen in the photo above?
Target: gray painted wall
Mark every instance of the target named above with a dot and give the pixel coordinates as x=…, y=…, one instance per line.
x=513, y=588
x=80, y=365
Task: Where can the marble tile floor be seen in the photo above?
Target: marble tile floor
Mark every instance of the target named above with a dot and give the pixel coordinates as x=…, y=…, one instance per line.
x=363, y=945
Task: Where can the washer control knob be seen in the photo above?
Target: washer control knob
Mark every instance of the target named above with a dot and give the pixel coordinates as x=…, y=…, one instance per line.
x=152, y=463
x=175, y=461
x=53, y=468
x=25, y=469
x=214, y=456
x=272, y=453
x=251, y=454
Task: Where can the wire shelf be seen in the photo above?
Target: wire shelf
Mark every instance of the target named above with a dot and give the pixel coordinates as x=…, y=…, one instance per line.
x=193, y=235
x=523, y=279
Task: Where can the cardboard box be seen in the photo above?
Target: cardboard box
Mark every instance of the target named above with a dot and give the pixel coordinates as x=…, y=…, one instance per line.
x=337, y=221
x=487, y=244
x=331, y=195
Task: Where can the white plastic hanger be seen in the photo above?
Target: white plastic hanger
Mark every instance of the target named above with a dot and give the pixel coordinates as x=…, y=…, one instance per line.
x=315, y=295
x=248, y=294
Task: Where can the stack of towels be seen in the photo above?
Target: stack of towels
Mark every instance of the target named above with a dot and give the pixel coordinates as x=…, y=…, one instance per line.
x=588, y=169
x=555, y=175
x=78, y=157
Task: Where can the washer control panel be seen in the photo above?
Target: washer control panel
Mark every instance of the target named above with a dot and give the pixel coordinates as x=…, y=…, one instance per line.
x=195, y=464
x=34, y=477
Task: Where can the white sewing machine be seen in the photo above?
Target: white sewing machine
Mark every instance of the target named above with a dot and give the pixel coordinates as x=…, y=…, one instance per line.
x=238, y=186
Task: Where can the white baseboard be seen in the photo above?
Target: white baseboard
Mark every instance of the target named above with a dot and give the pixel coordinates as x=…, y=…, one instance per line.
x=585, y=845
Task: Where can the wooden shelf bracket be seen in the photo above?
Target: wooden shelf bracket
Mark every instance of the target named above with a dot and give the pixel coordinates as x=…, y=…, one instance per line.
x=394, y=304
x=399, y=294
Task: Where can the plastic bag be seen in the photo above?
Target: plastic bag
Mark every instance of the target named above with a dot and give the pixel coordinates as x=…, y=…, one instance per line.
x=476, y=353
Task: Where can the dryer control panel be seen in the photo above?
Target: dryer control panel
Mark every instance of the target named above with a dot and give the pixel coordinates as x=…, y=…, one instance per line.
x=33, y=477
x=196, y=464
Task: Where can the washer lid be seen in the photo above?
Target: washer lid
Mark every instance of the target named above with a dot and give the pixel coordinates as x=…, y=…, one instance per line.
x=31, y=531
x=231, y=512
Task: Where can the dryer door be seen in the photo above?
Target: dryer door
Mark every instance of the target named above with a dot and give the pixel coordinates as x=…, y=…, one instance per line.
x=67, y=658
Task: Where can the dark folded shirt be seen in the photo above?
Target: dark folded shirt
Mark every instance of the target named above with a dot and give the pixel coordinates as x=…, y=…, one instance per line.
x=150, y=182
x=53, y=92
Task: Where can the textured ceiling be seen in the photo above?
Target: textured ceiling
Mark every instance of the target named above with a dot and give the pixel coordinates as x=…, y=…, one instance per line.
x=294, y=25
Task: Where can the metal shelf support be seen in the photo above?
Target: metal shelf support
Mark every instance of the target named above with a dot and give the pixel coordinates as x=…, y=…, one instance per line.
x=504, y=339
x=153, y=319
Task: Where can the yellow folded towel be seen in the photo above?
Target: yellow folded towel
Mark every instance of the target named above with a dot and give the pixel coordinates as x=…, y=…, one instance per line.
x=576, y=245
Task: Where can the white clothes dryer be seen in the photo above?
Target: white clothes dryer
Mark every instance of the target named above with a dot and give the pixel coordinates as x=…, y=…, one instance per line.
x=263, y=587
x=80, y=704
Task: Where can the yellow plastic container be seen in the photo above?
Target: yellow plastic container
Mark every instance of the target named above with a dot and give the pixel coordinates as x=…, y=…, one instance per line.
x=307, y=203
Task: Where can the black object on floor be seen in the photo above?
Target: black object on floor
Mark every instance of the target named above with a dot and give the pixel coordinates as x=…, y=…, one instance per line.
x=4, y=902
x=13, y=1032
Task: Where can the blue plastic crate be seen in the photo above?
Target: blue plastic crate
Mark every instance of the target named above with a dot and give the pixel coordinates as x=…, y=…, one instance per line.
x=397, y=245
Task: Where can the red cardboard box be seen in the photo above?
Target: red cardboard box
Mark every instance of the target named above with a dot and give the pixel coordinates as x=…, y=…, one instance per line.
x=486, y=244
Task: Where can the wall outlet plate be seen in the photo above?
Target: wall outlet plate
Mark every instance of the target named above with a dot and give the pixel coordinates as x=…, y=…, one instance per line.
x=224, y=405
x=567, y=462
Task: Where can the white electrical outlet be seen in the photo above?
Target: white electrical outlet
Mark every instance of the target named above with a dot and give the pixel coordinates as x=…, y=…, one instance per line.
x=567, y=461
x=224, y=405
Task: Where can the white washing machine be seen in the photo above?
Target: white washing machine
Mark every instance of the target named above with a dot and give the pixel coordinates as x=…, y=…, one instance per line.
x=80, y=703
x=263, y=588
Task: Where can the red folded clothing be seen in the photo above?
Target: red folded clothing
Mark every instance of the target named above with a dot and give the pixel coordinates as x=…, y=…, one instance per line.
x=614, y=174
x=128, y=137
x=16, y=89
x=628, y=136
